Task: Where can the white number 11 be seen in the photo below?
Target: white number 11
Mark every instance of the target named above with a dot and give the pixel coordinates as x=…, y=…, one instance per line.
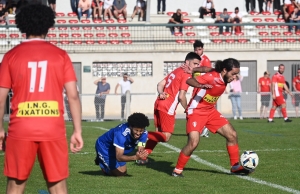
x=33, y=66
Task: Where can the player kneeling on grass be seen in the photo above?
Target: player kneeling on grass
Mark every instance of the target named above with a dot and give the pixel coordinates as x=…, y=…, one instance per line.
x=113, y=147
x=201, y=112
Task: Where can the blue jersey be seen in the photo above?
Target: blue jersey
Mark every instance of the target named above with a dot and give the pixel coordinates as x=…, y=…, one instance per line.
x=120, y=137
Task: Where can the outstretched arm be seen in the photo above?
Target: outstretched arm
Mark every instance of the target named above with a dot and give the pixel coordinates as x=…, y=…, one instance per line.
x=194, y=83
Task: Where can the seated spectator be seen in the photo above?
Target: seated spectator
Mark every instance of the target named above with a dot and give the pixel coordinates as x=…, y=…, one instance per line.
x=3, y=3
x=288, y=9
x=223, y=18
x=295, y=18
x=206, y=8
x=176, y=18
x=236, y=18
x=107, y=5
x=269, y=5
x=3, y=15
x=84, y=7
x=120, y=8
x=52, y=4
x=97, y=6
x=139, y=8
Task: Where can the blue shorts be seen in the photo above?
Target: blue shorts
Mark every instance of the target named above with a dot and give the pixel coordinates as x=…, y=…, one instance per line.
x=106, y=162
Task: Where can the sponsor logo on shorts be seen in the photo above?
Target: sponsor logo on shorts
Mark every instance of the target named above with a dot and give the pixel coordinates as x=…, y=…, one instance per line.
x=210, y=99
x=194, y=123
x=38, y=109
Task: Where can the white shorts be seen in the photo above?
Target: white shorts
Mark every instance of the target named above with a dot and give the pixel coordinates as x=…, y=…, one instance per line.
x=140, y=3
x=107, y=3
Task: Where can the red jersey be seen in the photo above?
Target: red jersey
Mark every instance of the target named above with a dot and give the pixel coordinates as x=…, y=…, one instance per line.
x=204, y=100
x=279, y=81
x=296, y=81
x=265, y=84
x=205, y=61
x=175, y=82
x=36, y=71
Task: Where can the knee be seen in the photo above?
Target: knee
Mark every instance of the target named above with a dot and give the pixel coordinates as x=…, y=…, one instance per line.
x=232, y=136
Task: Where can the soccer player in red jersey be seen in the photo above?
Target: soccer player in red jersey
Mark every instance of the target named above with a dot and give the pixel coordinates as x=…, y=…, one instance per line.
x=278, y=83
x=264, y=88
x=172, y=91
x=296, y=85
x=37, y=72
x=201, y=112
x=199, y=48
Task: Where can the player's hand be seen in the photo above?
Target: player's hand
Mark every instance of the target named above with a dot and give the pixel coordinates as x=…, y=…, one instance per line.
x=163, y=96
x=141, y=154
x=186, y=68
x=76, y=142
x=206, y=86
x=273, y=96
x=2, y=139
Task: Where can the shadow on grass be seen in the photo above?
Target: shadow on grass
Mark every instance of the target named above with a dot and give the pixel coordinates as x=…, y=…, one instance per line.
x=98, y=173
x=167, y=167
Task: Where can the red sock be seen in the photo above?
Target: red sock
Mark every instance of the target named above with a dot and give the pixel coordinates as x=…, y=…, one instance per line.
x=272, y=112
x=233, y=152
x=284, y=114
x=153, y=139
x=182, y=160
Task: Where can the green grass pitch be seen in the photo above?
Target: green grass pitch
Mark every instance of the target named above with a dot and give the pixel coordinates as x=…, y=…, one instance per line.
x=277, y=145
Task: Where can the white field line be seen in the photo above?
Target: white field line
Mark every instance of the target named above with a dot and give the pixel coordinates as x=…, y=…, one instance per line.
x=220, y=168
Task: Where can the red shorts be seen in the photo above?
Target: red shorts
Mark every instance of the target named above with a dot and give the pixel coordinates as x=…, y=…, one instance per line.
x=213, y=120
x=20, y=157
x=163, y=121
x=278, y=101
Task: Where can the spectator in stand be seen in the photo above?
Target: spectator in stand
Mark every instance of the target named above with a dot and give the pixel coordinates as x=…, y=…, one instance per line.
x=107, y=8
x=236, y=18
x=295, y=18
x=252, y=3
x=139, y=8
x=74, y=5
x=3, y=14
x=288, y=8
x=296, y=86
x=3, y=3
x=120, y=8
x=52, y=4
x=276, y=5
x=264, y=88
x=235, y=95
x=177, y=18
x=97, y=6
x=84, y=7
x=260, y=5
x=269, y=5
x=163, y=6
x=206, y=8
x=223, y=18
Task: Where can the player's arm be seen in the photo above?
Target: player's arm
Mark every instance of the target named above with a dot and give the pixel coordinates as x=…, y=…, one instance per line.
x=287, y=90
x=273, y=90
x=160, y=89
x=124, y=158
x=194, y=83
x=3, y=96
x=182, y=98
x=202, y=69
x=116, y=88
x=76, y=143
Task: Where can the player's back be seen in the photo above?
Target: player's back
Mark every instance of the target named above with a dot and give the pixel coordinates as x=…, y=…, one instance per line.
x=38, y=71
x=175, y=81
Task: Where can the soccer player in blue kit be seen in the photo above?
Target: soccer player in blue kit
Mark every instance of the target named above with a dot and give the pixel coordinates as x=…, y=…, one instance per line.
x=113, y=147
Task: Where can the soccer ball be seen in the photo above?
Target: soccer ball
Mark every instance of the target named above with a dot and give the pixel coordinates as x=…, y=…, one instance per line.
x=249, y=160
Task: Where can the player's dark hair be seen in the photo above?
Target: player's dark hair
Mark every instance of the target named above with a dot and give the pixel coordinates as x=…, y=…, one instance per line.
x=192, y=56
x=198, y=43
x=35, y=19
x=281, y=65
x=138, y=120
x=227, y=64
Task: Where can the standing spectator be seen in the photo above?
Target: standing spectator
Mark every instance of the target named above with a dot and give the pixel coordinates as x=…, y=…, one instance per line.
x=278, y=83
x=107, y=6
x=52, y=4
x=260, y=5
x=114, y=146
x=235, y=95
x=84, y=7
x=177, y=18
x=276, y=5
x=269, y=5
x=125, y=84
x=163, y=6
x=296, y=86
x=37, y=128
x=97, y=6
x=236, y=18
x=139, y=8
x=295, y=18
x=103, y=88
x=120, y=8
x=264, y=88
x=74, y=5
x=222, y=19
x=250, y=6
x=206, y=8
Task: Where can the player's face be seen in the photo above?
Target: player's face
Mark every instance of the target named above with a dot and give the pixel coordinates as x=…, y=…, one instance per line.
x=199, y=51
x=231, y=75
x=281, y=69
x=193, y=63
x=136, y=132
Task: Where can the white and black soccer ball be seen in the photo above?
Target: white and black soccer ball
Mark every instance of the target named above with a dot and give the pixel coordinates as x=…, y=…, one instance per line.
x=249, y=160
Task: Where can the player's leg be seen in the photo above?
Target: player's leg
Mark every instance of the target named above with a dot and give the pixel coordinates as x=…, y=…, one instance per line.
x=58, y=187
x=284, y=113
x=272, y=111
x=121, y=170
x=19, y=159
